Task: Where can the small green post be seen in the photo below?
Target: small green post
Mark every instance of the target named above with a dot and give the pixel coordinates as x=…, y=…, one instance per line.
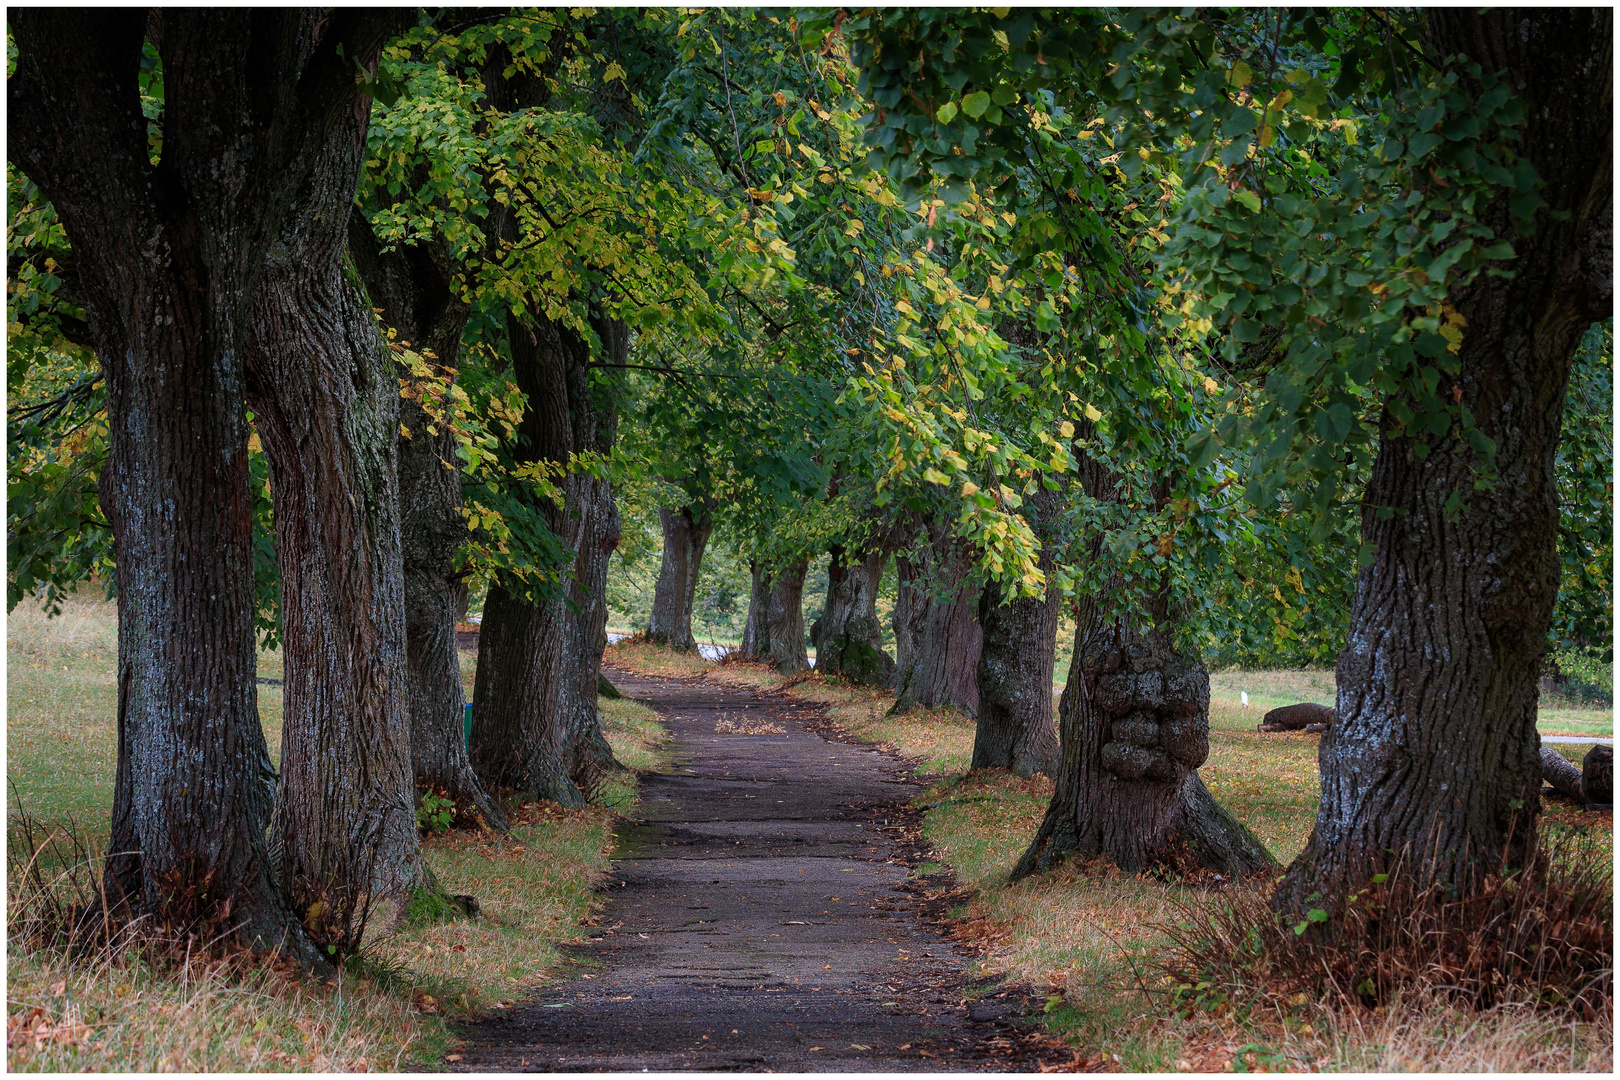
x=466, y=723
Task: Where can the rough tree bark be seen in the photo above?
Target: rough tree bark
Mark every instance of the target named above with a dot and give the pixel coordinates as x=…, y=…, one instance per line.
x=594, y=519
x=1015, y=729
x=1435, y=747
x=686, y=534
x=848, y=637
x=413, y=286
x=784, y=614
x=169, y=257
x=1134, y=728
x=756, y=635
x=519, y=730
x=774, y=632
x=325, y=397
x=936, y=627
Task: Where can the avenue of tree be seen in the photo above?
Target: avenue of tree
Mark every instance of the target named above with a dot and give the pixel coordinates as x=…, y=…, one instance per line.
x=1221, y=326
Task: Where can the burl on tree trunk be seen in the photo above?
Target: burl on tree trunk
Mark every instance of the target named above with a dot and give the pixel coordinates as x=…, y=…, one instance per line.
x=848, y=637
x=686, y=534
x=322, y=385
x=169, y=257
x=774, y=632
x=1135, y=729
x=1435, y=748
x=936, y=627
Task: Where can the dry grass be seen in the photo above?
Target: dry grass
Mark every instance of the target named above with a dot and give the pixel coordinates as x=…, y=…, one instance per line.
x=1087, y=931
x=130, y=1015
x=388, y=1011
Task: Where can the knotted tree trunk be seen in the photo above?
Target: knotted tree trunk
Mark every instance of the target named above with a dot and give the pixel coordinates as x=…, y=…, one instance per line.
x=519, y=728
x=325, y=397
x=686, y=534
x=1135, y=729
x=169, y=258
x=1435, y=748
x=936, y=628
x=848, y=636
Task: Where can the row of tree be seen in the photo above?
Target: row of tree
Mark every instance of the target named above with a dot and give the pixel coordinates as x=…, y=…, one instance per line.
x=327, y=316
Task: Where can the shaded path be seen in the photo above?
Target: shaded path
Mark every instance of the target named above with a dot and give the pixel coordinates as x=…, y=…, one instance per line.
x=759, y=918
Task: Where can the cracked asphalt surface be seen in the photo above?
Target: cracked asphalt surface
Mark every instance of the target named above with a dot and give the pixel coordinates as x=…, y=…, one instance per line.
x=762, y=917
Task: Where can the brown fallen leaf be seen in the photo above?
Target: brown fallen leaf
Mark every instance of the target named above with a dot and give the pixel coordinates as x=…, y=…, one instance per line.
x=452, y=1057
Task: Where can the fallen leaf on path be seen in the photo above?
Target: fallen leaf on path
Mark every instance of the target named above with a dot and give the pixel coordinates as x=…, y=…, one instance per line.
x=452, y=1057
x=858, y=1046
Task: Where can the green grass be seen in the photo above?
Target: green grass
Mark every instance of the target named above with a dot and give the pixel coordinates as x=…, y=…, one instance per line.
x=535, y=888
x=1272, y=689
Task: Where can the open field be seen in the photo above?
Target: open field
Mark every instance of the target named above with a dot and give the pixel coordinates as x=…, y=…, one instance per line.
x=1089, y=933
x=388, y=1011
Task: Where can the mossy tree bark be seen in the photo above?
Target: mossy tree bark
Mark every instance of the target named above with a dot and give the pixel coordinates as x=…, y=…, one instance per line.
x=1435, y=747
x=322, y=385
x=169, y=257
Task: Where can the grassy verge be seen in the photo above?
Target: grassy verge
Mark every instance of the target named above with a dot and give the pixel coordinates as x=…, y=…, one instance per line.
x=388, y=1010
x=1089, y=932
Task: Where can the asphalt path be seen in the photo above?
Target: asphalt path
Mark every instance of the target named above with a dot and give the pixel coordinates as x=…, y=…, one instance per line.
x=762, y=915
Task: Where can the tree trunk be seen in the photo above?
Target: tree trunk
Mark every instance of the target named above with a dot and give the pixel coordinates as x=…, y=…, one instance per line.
x=938, y=614
x=520, y=730
x=1558, y=771
x=595, y=518
x=325, y=397
x=1435, y=748
x=756, y=636
x=414, y=286
x=784, y=615
x=686, y=534
x=774, y=633
x=1135, y=729
x=1015, y=729
x=848, y=636
x=169, y=258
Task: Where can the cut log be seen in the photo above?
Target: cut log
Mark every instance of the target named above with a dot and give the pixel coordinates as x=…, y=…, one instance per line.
x=1296, y=717
x=1562, y=774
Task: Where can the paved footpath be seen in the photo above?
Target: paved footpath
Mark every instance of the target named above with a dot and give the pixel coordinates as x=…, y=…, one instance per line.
x=759, y=918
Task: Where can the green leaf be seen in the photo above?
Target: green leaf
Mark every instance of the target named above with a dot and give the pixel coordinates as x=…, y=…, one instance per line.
x=1247, y=198
x=946, y=113
x=976, y=104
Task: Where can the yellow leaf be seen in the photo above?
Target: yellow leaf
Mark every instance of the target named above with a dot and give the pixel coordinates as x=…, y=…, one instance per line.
x=404, y=432
x=1093, y=413
x=1211, y=385
x=969, y=488
x=1067, y=429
